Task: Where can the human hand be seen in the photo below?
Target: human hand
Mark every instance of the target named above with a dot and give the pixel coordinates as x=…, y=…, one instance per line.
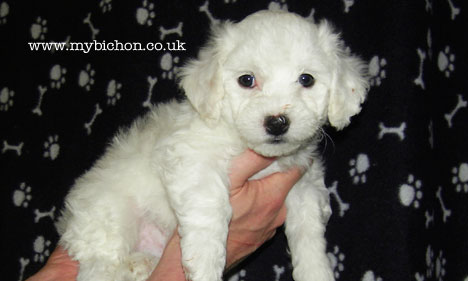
x=258, y=205
x=59, y=267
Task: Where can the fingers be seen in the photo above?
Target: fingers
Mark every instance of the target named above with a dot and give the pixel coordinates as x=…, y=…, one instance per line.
x=246, y=165
x=59, y=266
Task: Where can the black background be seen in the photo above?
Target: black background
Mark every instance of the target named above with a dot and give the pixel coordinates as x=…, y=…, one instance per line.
x=377, y=239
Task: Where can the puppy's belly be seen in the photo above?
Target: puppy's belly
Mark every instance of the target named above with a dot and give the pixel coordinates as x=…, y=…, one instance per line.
x=152, y=239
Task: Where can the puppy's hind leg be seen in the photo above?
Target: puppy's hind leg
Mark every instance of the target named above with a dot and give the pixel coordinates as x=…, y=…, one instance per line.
x=101, y=237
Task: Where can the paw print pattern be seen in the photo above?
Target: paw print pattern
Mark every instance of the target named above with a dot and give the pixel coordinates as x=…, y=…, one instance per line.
x=238, y=276
x=445, y=61
x=51, y=148
x=429, y=262
x=4, y=11
x=86, y=77
x=39, y=29
x=22, y=196
x=57, y=76
x=370, y=276
x=410, y=192
x=106, y=5
x=336, y=260
x=460, y=177
x=377, y=71
x=278, y=5
x=168, y=66
x=41, y=249
x=359, y=166
x=145, y=14
x=440, y=264
x=6, y=99
x=113, y=92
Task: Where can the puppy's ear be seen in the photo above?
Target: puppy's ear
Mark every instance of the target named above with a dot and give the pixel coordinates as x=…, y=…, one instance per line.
x=202, y=80
x=349, y=83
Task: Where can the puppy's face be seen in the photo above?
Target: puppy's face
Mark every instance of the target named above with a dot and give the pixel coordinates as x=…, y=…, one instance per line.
x=274, y=77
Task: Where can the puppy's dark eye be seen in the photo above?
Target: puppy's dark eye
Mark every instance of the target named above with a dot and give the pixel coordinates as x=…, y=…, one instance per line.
x=247, y=81
x=306, y=80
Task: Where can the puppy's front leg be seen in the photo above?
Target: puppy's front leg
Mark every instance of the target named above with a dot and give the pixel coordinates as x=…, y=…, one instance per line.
x=308, y=212
x=201, y=203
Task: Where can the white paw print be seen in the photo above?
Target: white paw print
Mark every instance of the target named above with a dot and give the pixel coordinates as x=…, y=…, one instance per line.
x=377, y=71
x=440, y=264
x=41, y=247
x=429, y=261
x=39, y=29
x=86, y=77
x=278, y=5
x=460, y=177
x=57, y=76
x=6, y=99
x=446, y=61
x=168, y=66
x=4, y=11
x=51, y=148
x=22, y=196
x=410, y=192
x=370, y=276
x=106, y=5
x=238, y=276
x=113, y=92
x=336, y=260
x=359, y=167
x=145, y=14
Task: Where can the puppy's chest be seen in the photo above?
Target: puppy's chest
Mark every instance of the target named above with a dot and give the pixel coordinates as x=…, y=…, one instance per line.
x=304, y=158
x=283, y=164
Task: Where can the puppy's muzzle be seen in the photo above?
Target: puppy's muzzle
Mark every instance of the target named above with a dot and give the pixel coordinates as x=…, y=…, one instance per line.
x=276, y=125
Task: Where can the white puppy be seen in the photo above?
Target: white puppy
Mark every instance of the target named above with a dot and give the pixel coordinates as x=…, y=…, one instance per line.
x=268, y=83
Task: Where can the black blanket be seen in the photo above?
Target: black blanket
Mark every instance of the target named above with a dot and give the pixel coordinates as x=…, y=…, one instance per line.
x=398, y=175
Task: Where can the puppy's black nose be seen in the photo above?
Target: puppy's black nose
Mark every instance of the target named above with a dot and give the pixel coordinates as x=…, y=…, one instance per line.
x=276, y=125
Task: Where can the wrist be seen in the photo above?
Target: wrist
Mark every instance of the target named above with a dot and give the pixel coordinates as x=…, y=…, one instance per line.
x=237, y=251
x=169, y=267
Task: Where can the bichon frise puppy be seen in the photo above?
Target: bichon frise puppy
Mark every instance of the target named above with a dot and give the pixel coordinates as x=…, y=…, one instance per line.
x=268, y=83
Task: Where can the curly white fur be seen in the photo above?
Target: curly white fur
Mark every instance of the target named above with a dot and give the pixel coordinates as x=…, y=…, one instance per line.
x=171, y=167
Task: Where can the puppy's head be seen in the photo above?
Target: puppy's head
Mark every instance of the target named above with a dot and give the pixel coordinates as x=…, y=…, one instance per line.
x=277, y=78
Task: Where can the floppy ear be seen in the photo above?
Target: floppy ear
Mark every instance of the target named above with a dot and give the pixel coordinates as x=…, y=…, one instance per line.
x=349, y=83
x=202, y=80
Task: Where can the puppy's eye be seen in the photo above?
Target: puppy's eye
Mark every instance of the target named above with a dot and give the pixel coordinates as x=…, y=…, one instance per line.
x=247, y=81
x=306, y=80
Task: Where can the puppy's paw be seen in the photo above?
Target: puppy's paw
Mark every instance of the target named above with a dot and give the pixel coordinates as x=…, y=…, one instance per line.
x=204, y=263
x=138, y=266
x=202, y=271
x=316, y=274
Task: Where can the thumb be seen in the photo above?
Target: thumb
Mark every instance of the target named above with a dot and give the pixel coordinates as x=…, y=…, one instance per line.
x=246, y=165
